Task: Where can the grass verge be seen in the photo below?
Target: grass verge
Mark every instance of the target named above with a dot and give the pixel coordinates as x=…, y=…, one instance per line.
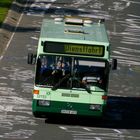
x=4, y=7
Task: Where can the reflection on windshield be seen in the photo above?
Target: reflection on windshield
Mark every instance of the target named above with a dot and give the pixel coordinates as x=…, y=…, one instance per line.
x=70, y=72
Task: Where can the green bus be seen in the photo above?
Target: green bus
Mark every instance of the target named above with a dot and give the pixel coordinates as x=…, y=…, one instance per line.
x=72, y=68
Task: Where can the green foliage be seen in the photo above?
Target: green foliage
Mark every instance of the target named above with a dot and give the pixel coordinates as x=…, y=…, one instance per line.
x=4, y=7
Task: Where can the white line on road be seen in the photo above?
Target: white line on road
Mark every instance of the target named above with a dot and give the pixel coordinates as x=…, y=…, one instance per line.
x=62, y=127
x=1, y=57
x=88, y=129
x=118, y=131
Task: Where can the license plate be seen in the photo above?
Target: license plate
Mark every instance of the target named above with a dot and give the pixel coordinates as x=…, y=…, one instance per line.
x=68, y=112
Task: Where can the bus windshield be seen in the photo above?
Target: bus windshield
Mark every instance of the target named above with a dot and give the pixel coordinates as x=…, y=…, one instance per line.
x=67, y=72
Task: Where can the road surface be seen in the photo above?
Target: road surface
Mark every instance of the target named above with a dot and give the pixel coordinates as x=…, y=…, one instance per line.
x=16, y=77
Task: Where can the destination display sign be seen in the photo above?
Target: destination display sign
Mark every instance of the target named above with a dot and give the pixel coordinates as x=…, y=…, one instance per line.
x=77, y=49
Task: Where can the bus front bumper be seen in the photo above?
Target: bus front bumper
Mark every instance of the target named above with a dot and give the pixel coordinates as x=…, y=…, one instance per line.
x=79, y=109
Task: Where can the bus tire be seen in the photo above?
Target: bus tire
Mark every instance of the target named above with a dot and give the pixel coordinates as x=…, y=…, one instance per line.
x=39, y=115
x=36, y=115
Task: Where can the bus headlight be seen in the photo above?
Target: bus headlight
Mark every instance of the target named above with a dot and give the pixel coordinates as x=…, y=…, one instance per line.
x=95, y=107
x=43, y=103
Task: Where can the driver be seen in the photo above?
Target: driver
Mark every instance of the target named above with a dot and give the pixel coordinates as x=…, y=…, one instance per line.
x=60, y=66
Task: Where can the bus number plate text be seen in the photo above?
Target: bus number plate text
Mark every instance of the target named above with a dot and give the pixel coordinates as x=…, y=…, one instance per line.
x=68, y=112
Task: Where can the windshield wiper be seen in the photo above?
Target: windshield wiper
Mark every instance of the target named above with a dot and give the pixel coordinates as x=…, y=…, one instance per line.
x=61, y=81
x=73, y=77
x=67, y=76
x=84, y=86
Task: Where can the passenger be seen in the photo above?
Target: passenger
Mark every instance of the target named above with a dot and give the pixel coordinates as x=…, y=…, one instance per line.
x=62, y=66
x=43, y=64
x=65, y=68
x=59, y=65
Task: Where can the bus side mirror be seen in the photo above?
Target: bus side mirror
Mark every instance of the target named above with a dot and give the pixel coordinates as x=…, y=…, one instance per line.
x=31, y=58
x=114, y=64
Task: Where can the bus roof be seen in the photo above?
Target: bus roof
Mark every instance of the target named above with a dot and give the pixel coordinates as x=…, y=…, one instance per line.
x=77, y=31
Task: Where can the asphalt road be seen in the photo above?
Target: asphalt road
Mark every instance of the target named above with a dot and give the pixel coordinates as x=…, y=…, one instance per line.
x=121, y=121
